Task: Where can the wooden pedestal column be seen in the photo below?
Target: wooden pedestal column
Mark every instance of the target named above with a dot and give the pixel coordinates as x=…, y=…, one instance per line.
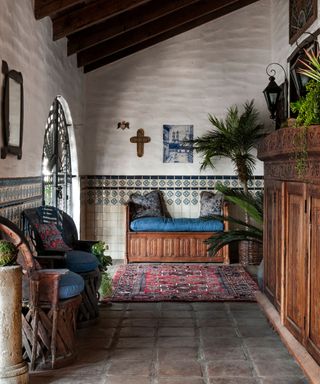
x=13, y=370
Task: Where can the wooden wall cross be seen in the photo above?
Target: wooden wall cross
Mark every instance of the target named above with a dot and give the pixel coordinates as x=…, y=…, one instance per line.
x=140, y=140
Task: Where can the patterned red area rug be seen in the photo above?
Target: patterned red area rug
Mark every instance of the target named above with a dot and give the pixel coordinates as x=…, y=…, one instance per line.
x=182, y=282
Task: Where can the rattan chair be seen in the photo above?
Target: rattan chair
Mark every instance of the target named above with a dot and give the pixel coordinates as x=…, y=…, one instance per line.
x=51, y=299
x=73, y=254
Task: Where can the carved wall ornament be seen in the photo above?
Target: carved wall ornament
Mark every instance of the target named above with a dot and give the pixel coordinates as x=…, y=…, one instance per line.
x=279, y=152
x=286, y=170
x=140, y=140
x=280, y=143
x=123, y=125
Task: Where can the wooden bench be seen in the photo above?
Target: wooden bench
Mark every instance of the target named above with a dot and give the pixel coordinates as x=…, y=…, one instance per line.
x=183, y=247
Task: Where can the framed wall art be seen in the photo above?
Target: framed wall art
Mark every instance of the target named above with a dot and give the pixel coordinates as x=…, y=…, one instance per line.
x=176, y=148
x=302, y=13
x=12, y=112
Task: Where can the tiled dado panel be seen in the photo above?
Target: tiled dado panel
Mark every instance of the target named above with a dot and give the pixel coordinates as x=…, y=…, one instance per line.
x=103, y=201
x=17, y=194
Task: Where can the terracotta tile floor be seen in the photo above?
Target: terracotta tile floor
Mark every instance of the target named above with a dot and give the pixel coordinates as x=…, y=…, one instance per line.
x=178, y=343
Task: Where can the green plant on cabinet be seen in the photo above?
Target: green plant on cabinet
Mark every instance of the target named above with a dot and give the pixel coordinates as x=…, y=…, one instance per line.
x=307, y=109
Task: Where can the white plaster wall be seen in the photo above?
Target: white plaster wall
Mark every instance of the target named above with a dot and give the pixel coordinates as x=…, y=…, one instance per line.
x=178, y=81
x=26, y=44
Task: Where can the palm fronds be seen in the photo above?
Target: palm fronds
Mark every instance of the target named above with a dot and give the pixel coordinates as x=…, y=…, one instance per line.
x=249, y=203
x=311, y=66
x=252, y=205
x=225, y=238
x=233, y=138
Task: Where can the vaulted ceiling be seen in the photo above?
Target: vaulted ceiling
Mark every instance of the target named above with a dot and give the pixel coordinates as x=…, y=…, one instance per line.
x=100, y=32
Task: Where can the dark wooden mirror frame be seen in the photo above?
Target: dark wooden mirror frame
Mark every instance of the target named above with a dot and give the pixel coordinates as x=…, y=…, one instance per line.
x=7, y=147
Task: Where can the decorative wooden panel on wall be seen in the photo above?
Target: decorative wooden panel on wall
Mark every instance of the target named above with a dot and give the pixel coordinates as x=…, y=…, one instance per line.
x=302, y=13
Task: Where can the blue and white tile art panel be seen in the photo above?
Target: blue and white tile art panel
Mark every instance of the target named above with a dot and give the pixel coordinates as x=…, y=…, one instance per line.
x=17, y=194
x=175, y=143
x=103, y=200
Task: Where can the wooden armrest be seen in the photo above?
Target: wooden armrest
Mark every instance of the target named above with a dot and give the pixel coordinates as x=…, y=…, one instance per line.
x=50, y=272
x=226, y=213
x=44, y=286
x=50, y=257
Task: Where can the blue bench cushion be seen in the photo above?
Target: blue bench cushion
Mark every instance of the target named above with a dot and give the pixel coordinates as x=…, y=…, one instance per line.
x=80, y=261
x=71, y=284
x=162, y=224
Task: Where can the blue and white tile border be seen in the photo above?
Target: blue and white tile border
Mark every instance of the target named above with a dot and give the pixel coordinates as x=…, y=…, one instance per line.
x=115, y=190
x=17, y=194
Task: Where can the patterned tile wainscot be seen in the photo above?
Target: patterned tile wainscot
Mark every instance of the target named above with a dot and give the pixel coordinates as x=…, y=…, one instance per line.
x=17, y=194
x=103, y=200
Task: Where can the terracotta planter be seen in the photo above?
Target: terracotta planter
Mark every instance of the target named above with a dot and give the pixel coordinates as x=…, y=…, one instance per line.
x=250, y=252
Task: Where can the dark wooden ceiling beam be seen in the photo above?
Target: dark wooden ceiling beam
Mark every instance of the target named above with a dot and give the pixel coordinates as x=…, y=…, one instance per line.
x=123, y=23
x=93, y=12
x=43, y=8
x=165, y=35
x=203, y=9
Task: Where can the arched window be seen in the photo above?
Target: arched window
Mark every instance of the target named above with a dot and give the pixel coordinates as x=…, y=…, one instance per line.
x=56, y=160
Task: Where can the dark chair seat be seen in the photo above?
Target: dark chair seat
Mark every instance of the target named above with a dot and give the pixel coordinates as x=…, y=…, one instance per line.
x=80, y=261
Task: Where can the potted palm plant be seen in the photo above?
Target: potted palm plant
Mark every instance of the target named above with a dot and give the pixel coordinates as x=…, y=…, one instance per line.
x=246, y=230
x=250, y=232
x=234, y=138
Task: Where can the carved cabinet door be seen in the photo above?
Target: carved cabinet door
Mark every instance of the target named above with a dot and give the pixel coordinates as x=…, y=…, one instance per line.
x=296, y=260
x=273, y=240
x=313, y=323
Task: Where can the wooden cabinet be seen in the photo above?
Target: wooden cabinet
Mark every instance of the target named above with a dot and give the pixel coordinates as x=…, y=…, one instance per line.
x=292, y=235
x=296, y=259
x=273, y=240
x=302, y=265
x=312, y=337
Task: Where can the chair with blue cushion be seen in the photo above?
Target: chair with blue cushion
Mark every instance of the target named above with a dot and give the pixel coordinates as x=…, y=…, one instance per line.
x=55, y=239
x=50, y=302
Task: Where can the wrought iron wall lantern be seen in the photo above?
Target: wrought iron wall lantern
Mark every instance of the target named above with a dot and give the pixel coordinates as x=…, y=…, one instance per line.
x=273, y=91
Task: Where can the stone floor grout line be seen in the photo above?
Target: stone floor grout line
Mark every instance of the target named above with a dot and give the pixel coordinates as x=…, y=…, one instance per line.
x=114, y=339
x=201, y=355
x=244, y=348
x=155, y=360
